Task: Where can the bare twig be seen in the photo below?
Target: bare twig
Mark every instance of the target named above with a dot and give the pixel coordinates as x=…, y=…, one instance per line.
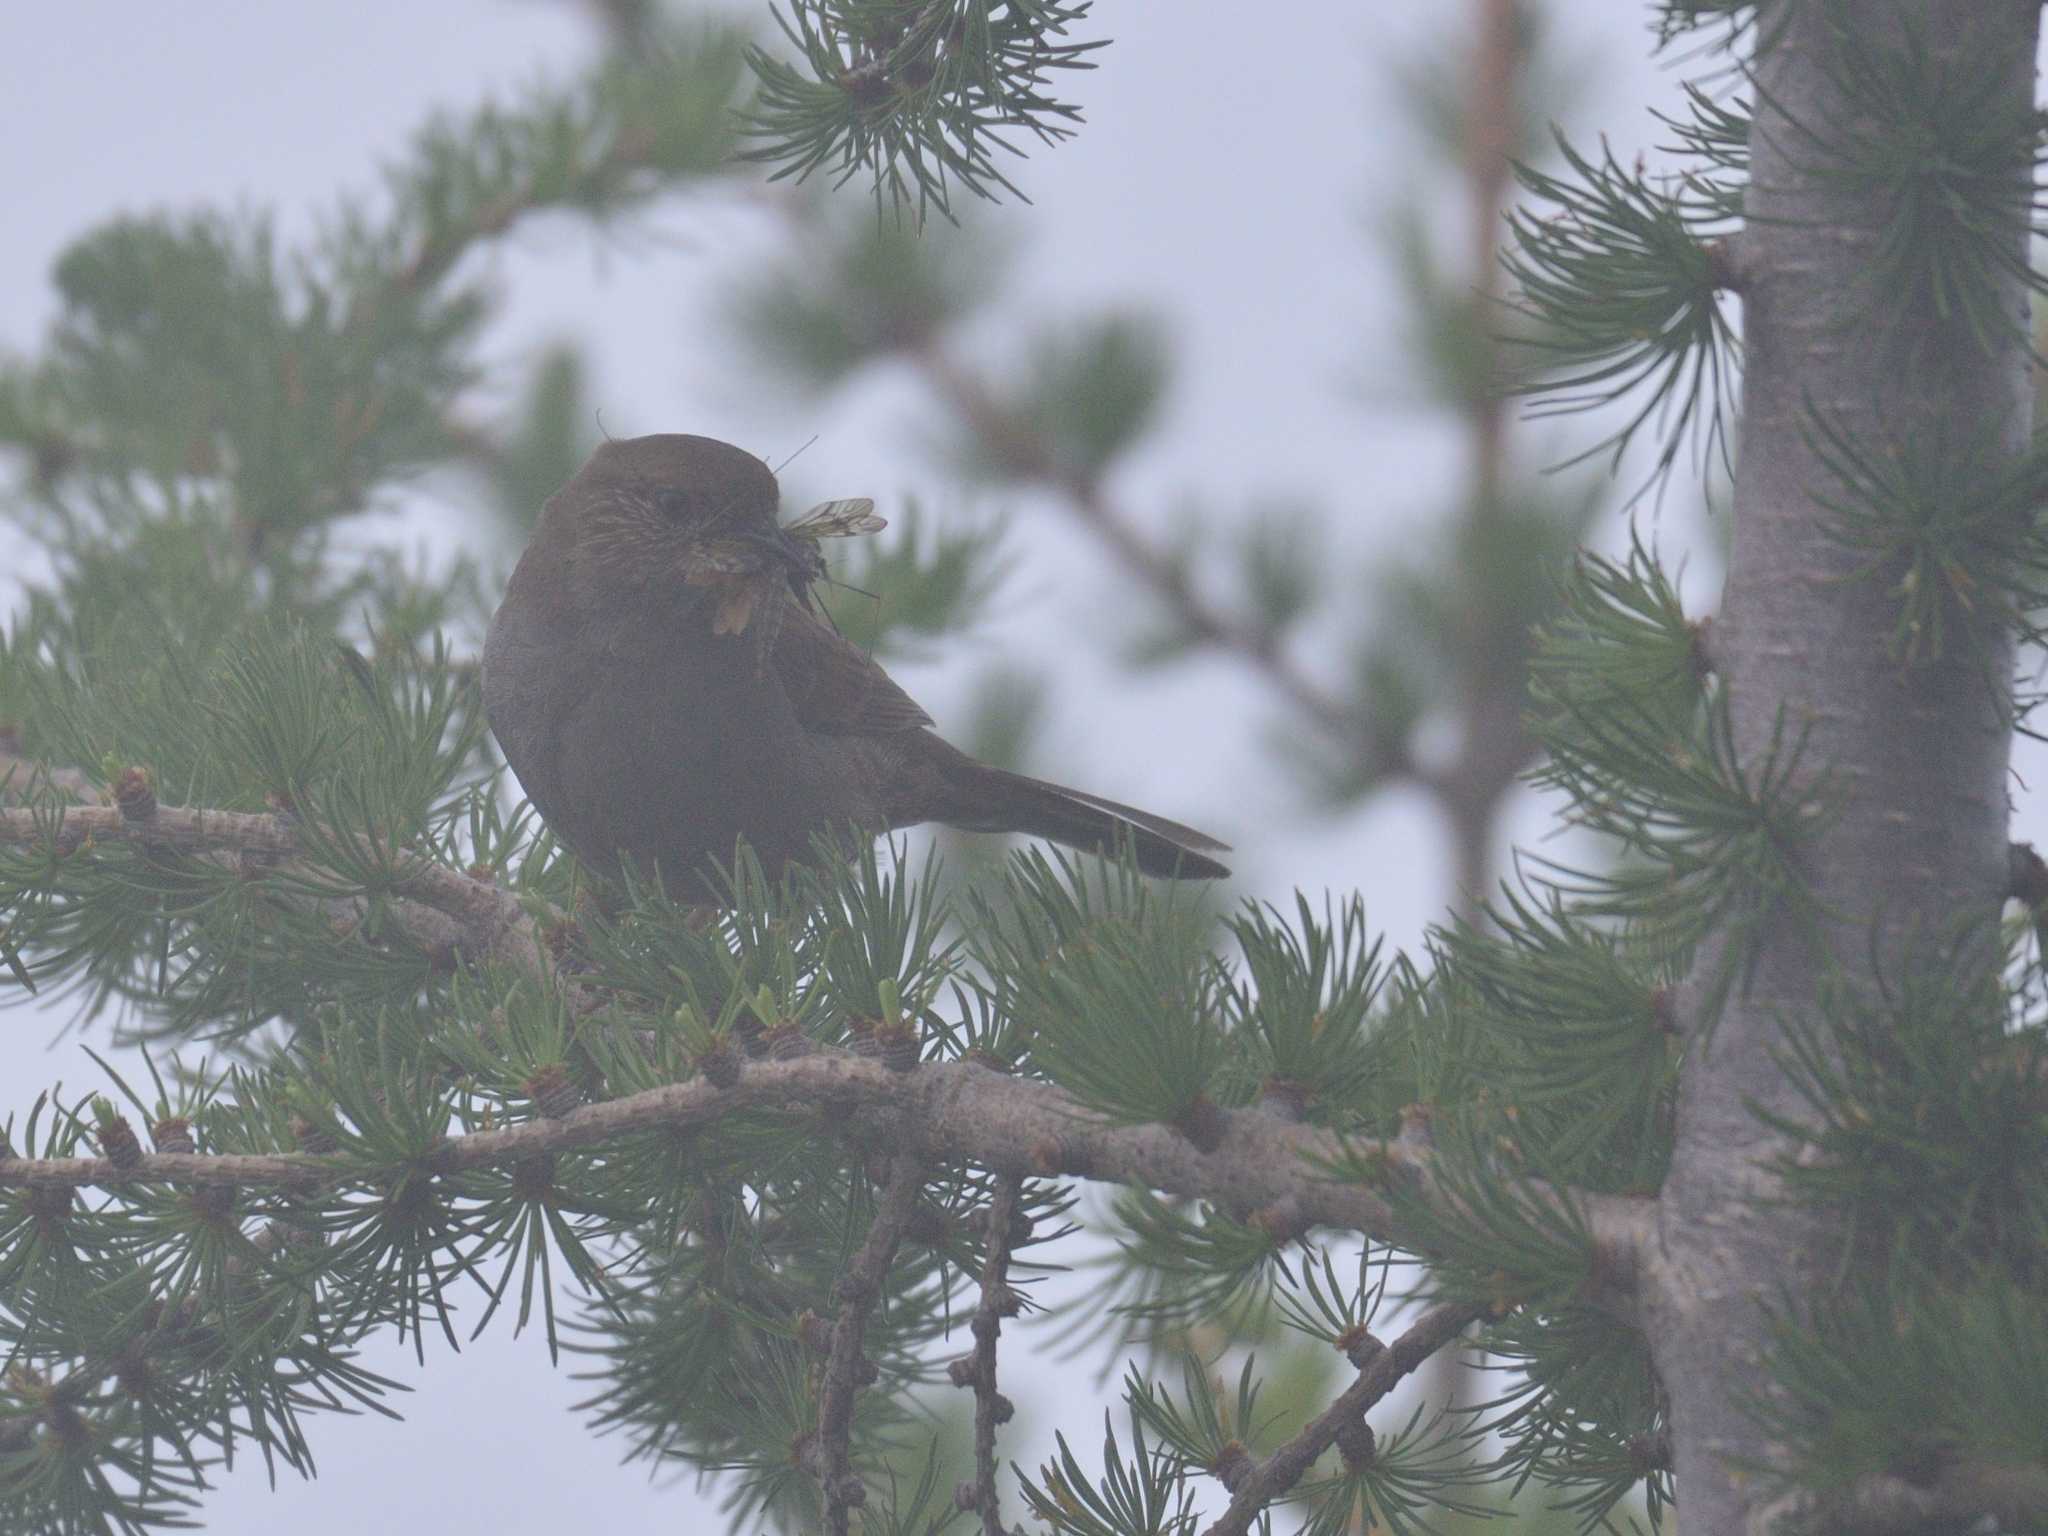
x=847, y=1367
x=991, y=1408
x=1285, y=1467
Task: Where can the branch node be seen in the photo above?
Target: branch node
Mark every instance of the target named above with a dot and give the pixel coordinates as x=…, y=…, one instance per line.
x=50, y=1206
x=813, y=1332
x=1360, y=1346
x=135, y=796
x=119, y=1144
x=1284, y=1098
x=1054, y=1155
x=1727, y=263
x=1356, y=1444
x=898, y=1044
x=928, y=1226
x=1233, y=1465
x=312, y=1139
x=785, y=1041
x=1700, y=635
x=553, y=1091
x=1417, y=1132
x=1281, y=1220
x=1203, y=1122
x=1271, y=1478
x=720, y=1065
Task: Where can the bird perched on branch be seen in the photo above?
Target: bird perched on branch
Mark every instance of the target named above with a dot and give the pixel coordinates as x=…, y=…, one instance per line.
x=663, y=684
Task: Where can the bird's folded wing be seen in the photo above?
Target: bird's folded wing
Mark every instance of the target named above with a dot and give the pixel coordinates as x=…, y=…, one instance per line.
x=835, y=687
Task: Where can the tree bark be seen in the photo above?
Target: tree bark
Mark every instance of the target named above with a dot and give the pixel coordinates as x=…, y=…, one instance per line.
x=1920, y=751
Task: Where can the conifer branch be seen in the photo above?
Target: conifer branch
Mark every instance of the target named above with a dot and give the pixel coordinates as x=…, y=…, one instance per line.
x=918, y=96
x=510, y=166
x=1013, y=444
x=1287, y=1176
x=957, y=1111
x=847, y=1368
x=991, y=1408
x=1280, y=1471
x=447, y=913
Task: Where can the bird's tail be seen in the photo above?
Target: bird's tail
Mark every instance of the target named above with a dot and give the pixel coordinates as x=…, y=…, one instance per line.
x=993, y=800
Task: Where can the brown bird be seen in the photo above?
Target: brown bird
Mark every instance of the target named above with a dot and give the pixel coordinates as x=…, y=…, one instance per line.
x=662, y=684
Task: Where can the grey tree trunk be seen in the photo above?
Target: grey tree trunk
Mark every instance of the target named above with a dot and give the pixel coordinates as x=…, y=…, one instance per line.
x=1921, y=751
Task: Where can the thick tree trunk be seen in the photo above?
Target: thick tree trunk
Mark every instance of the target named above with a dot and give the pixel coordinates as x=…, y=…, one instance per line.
x=1921, y=751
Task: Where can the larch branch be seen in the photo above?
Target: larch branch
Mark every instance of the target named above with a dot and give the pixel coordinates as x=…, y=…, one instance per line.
x=443, y=910
x=960, y=1112
x=847, y=1368
x=1285, y=1467
x=991, y=1408
x=1022, y=452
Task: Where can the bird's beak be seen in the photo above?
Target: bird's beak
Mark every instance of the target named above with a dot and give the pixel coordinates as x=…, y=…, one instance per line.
x=799, y=554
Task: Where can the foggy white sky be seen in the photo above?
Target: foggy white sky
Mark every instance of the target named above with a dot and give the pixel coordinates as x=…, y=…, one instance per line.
x=1225, y=179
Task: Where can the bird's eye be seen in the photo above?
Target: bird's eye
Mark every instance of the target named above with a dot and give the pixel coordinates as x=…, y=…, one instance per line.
x=672, y=502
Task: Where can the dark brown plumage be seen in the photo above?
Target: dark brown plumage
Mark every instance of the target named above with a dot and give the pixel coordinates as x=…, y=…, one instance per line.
x=662, y=685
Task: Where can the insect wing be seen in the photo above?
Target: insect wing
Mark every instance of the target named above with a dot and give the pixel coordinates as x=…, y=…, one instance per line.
x=838, y=520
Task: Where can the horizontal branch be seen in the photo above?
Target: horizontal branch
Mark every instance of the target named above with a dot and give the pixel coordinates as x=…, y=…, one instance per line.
x=1271, y=1478
x=488, y=923
x=1263, y=1169
x=957, y=1111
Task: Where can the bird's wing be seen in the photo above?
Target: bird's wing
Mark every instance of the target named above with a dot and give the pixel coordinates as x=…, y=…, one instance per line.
x=835, y=687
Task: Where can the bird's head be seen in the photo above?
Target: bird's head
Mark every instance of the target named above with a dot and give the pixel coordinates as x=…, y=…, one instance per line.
x=677, y=510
